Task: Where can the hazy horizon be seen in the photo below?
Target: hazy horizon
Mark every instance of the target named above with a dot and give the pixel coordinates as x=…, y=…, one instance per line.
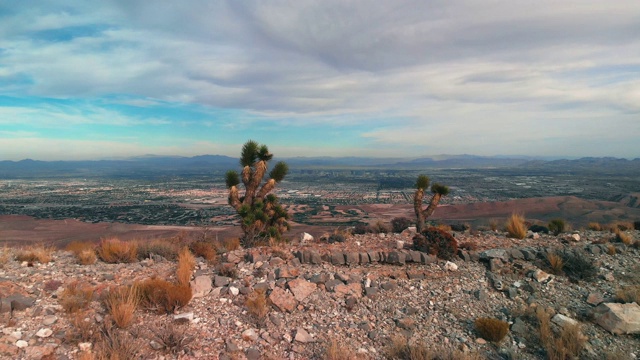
x=401, y=79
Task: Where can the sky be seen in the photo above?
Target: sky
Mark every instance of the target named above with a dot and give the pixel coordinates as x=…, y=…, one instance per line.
x=119, y=78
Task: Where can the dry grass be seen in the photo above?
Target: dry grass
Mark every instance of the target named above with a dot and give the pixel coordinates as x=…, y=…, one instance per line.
x=231, y=244
x=76, y=296
x=516, y=227
x=595, y=226
x=172, y=339
x=443, y=227
x=491, y=329
x=556, y=263
x=493, y=224
x=42, y=254
x=115, y=251
x=629, y=294
x=611, y=250
x=337, y=351
x=257, y=304
x=162, y=296
x=83, y=251
x=121, y=304
x=115, y=344
x=623, y=237
x=567, y=344
x=204, y=249
x=186, y=265
x=166, y=248
x=401, y=349
x=6, y=255
x=82, y=329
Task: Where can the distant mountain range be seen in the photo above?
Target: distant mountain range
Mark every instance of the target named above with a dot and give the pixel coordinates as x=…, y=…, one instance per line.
x=154, y=166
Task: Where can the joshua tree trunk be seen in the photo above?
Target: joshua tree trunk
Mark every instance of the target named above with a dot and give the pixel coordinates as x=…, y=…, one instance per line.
x=422, y=214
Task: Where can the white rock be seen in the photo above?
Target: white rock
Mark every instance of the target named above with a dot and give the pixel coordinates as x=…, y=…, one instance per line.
x=16, y=334
x=234, y=290
x=249, y=335
x=574, y=237
x=399, y=244
x=44, y=333
x=450, y=266
x=563, y=321
x=85, y=346
x=49, y=320
x=188, y=316
x=22, y=344
x=541, y=276
x=306, y=237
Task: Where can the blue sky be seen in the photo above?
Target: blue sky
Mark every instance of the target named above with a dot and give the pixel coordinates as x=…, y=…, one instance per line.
x=110, y=79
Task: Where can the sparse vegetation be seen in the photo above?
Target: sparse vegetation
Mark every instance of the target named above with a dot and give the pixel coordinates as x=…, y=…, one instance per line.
x=186, y=265
x=42, y=254
x=115, y=344
x=436, y=242
x=578, y=266
x=557, y=226
x=114, y=251
x=228, y=270
x=338, y=351
x=76, y=296
x=516, y=226
x=422, y=183
x=556, y=263
x=5, y=256
x=172, y=339
x=539, y=229
x=567, y=344
x=623, y=237
x=595, y=226
x=629, y=294
x=263, y=218
x=82, y=329
x=399, y=348
x=121, y=303
x=83, y=251
x=468, y=245
x=231, y=244
x=167, y=248
x=162, y=296
x=399, y=224
x=204, y=249
x=257, y=305
x=611, y=249
x=491, y=329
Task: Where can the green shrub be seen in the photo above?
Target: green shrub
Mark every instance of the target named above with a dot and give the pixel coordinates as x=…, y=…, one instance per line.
x=556, y=226
x=399, y=224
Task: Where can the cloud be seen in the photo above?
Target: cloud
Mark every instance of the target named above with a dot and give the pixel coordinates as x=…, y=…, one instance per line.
x=407, y=72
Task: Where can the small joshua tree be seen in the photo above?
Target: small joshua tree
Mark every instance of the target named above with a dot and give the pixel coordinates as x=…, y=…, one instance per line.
x=438, y=192
x=262, y=216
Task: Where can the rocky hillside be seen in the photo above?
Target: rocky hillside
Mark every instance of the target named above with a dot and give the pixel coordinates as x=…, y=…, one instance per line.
x=369, y=297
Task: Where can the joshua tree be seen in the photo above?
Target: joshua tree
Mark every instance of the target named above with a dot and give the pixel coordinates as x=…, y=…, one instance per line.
x=262, y=216
x=438, y=192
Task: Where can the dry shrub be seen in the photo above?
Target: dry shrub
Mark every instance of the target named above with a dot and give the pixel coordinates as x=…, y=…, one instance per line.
x=381, y=228
x=204, y=249
x=82, y=329
x=436, y=242
x=443, y=227
x=162, y=296
x=5, y=256
x=166, y=248
x=556, y=263
x=228, y=270
x=257, y=304
x=629, y=294
x=231, y=244
x=42, y=254
x=172, y=339
x=492, y=329
x=623, y=237
x=75, y=247
x=337, y=351
x=516, y=226
x=52, y=285
x=76, y=296
x=121, y=304
x=399, y=224
x=611, y=250
x=399, y=348
x=84, y=251
x=186, y=265
x=578, y=265
x=493, y=224
x=595, y=226
x=115, y=344
x=116, y=251
x=86, y=355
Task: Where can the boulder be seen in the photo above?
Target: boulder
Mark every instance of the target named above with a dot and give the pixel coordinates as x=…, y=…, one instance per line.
x=618, y=318
x=283, y=299
x=301, y=288
x=306, y=237
x=201, y=286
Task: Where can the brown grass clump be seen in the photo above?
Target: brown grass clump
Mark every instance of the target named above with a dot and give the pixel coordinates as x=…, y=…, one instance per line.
x=516, y=227
x=82, y=329
x=492, y=329
x=121, y=303
x=231, y=244
x=493, y=224
x=186, y=265
x=162, y=296
x=595, y=226
x=83, y=251
x=42, y=254
x=623, y=237
x=76, y=296
x=5, y=256
x=337, y=351
x=115, y=344
x=629, y=294
x=400, y=349
x=436, y=242
x=556, y=263
x=257, y=304
x=116, y=251
x=611, y=250
x=567, y=344
x=204, y=249
x=172, y=339
x=166, y=248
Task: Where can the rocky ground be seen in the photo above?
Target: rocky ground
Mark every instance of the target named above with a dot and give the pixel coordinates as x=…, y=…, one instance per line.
x=359, y=294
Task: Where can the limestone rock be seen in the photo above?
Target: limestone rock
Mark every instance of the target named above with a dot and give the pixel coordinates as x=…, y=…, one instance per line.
x=301, y=288
x=303, y=336
x=618, y=318
x=306, y=237
x=449, y=266
x=283, y=299
x=201, y=286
